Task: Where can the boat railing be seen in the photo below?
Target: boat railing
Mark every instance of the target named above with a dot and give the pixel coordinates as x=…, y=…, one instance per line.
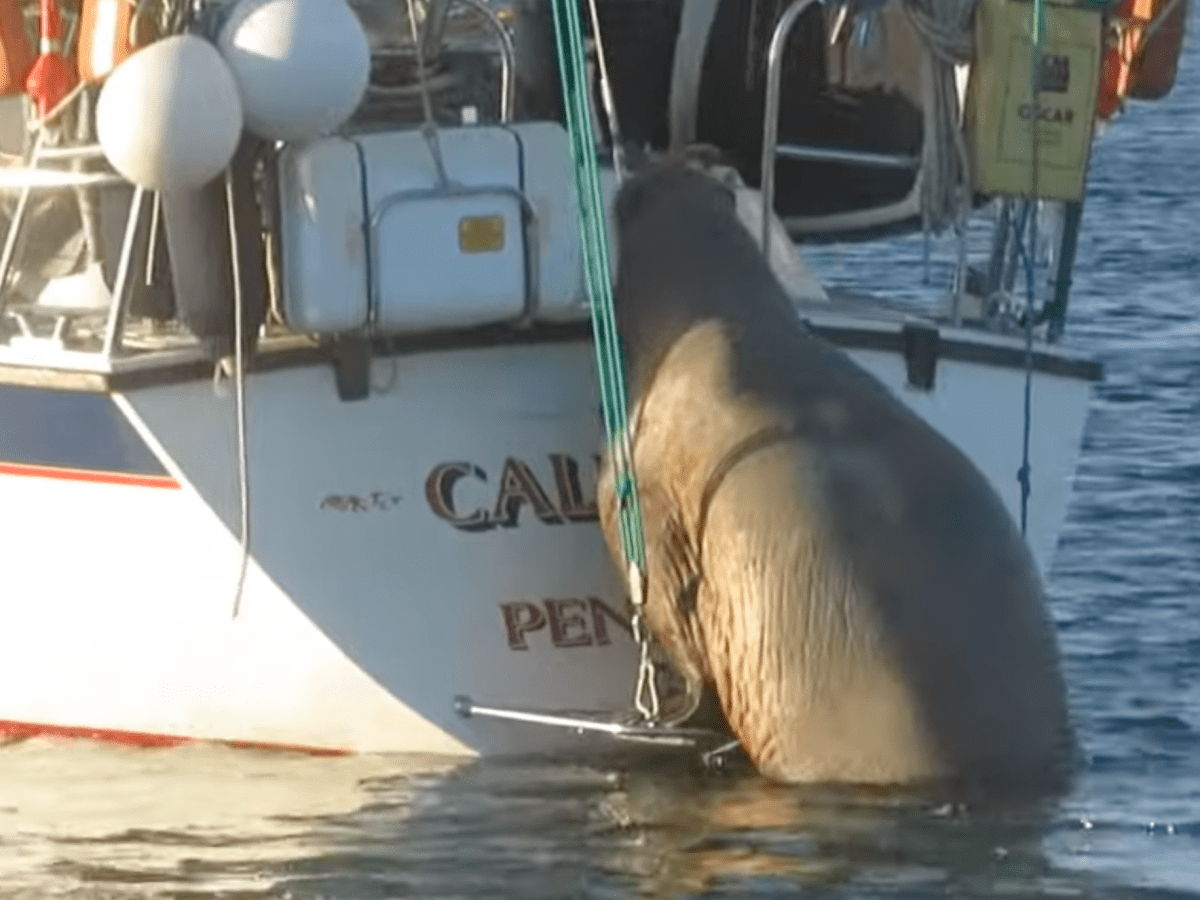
x=996, y=283
x=508, y=53
x=809, y=153
x=432, y=38
x=43, y=173
x=30, y=178
x=770, y=148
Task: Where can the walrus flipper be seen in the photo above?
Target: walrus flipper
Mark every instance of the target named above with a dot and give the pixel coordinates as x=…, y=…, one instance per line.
x=683, y=566
x=669, y=582
x=681, y=571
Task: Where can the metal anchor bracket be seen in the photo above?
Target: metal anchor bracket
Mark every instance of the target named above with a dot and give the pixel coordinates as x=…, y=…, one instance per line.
x=711, y=744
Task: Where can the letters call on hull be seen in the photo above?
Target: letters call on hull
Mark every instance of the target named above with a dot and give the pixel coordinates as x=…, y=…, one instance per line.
x=568, y=622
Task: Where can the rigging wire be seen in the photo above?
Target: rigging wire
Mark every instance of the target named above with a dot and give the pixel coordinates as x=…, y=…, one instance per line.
x=1025, y=472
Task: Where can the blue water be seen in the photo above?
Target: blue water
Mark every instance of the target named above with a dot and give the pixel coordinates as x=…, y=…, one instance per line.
x=78, y=820
x=1126, y=585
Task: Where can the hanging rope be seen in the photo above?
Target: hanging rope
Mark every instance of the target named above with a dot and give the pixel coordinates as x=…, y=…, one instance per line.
x=606, y=95
x=572, y=67
x=239, y=388
x=946, y=31
x=1024, y=473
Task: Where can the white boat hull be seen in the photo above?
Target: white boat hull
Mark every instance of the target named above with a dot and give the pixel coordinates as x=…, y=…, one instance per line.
x=435, y=539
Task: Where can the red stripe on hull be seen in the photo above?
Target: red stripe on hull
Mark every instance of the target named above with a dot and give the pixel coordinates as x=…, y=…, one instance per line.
x=95, y=477
x=23, y=730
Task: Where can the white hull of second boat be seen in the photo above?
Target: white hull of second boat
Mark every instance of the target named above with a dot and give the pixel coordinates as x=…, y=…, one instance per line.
x=436, y=539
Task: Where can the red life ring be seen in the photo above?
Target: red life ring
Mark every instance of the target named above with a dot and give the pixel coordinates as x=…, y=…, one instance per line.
x=16, y=50
x=1134, y=63
x=1155, y=67
x=1122, y=40
x=105, y=36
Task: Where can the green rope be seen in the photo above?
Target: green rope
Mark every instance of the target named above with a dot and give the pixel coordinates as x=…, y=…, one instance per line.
x=1038, y=30
x=572, y=67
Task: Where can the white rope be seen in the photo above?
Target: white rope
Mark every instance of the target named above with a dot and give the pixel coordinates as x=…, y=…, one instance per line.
x=645, y=694
x=239, y=393
x=606, y=97
x=429, y=126
x=695, y=24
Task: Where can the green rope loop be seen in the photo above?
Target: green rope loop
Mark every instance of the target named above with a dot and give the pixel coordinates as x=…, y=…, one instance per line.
x=572, y=67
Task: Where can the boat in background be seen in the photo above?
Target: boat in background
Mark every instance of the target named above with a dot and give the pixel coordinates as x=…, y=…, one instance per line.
x=298, y=403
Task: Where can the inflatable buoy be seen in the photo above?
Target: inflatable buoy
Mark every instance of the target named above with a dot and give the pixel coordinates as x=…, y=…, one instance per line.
x=50, y=78
x=169, y=116
x=1120, y=46
x=301, y=65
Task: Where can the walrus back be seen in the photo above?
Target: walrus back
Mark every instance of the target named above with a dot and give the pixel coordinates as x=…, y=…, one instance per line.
x=902, y=629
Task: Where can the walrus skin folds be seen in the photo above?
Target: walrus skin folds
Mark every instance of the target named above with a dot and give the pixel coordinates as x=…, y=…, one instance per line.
x=842, y=576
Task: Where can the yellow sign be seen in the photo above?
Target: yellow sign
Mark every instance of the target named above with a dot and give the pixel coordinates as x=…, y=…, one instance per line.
x=481, y=234
x=1003, y=119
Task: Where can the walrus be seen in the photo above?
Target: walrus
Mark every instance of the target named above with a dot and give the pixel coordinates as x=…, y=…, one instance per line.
x=842, y=577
